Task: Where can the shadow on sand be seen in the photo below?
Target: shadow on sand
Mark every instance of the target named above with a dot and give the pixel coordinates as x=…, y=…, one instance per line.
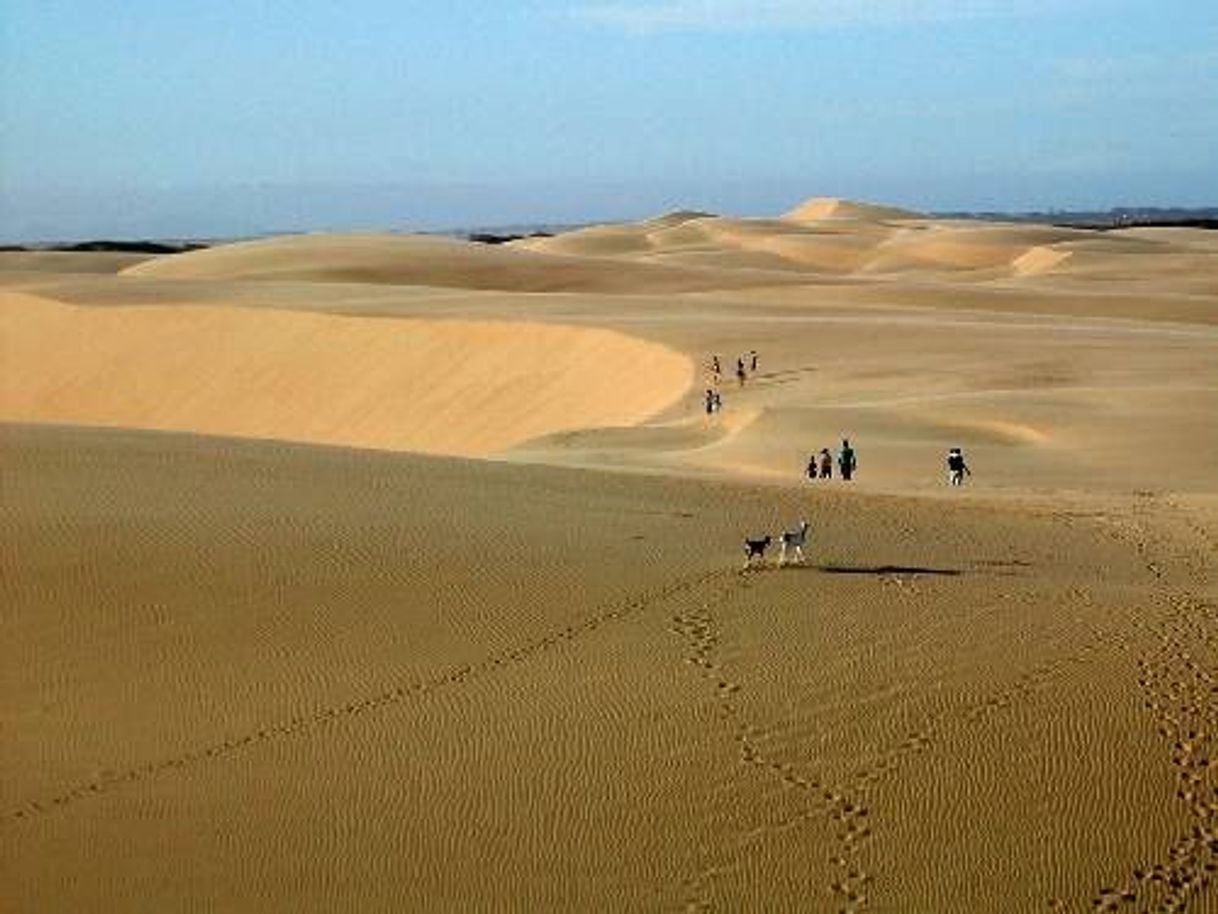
x=878, y=570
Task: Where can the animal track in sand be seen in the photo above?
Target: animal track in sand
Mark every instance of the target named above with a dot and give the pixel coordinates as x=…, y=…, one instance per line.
x=1180, y=694
x=1178, y=676
x=698, y=629
x=391, y=695
x=847, y=804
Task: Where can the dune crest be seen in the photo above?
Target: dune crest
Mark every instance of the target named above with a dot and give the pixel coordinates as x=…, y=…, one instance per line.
x=677, y=217
x=819, y=208
x=1039, y=260
x=459, y=387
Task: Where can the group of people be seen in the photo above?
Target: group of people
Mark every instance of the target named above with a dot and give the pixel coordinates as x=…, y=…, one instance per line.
x=746, y=365
x=820, y=466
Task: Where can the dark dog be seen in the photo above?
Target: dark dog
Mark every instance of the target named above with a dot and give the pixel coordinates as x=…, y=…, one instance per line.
x=756, y=549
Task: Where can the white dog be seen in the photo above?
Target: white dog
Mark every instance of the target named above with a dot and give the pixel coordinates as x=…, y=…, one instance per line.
x=793, y=540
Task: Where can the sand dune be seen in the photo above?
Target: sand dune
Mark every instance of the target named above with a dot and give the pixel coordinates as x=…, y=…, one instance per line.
x=846, y=239
x=448, y=387
x=1038, y=259
x=818, y=208
x=422, y=261
x=323, y=673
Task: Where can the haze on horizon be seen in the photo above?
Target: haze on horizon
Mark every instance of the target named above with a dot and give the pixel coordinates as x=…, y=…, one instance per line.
x=144, y=119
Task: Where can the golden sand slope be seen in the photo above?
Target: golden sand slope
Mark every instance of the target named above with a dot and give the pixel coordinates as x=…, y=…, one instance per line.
x=448, y=387
x=250, y=676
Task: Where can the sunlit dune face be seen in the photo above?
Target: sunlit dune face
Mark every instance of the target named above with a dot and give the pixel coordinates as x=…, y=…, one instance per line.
x=445, y=387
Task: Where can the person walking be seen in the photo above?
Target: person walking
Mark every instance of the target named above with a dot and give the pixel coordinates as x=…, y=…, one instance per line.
x=741, y=374
x=753, y=361
x=826, y=464
x=847, y=462
x=956, y=467
x=710, y=401
x=811, y=471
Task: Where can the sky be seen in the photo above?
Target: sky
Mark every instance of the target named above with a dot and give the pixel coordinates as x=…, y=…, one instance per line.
x=222, y=118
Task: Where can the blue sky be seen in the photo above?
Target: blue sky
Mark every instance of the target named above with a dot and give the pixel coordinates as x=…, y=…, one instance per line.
x=194, y=118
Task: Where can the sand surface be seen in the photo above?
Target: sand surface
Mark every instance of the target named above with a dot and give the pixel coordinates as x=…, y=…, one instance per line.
x=443, y=387
x=262, y=652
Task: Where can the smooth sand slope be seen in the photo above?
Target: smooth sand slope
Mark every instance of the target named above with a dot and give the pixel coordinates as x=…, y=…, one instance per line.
x=443, y=387
x=302, y=675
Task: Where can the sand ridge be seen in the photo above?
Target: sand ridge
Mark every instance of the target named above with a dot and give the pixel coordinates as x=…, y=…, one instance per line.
x=910, y=360
x=431, y=261
x=833, y=237
x=817, y=209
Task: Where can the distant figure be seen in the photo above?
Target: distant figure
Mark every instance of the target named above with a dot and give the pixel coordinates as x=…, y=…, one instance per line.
x=846, y=461
x=753, y=360
x=715, y=367
x=718, y=401
x=741, y=374
x=826, y=464
x=812, y=465
x=956, y=467
x=710, y=401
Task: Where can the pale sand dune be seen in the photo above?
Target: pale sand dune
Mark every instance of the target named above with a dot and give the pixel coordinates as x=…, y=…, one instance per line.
x=1038, y=259
x=254, y=675
x=457, y=387
x=423, y=261
x=966, y=248
x=819, y=208
x=681, y=228
x=859, y=240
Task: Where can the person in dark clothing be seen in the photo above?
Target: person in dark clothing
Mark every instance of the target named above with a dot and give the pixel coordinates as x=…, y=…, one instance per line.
x=847, y=462
x=826, y=464
x=812, y=467
x=710, y=401
x=753, y=360
x=956, y=467
x=741, y=374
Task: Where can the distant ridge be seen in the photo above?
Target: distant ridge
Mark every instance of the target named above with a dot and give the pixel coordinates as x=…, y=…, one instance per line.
x=676, y=217
x=818, y=208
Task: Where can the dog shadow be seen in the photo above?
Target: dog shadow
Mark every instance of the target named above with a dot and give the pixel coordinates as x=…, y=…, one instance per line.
x=882, y=570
